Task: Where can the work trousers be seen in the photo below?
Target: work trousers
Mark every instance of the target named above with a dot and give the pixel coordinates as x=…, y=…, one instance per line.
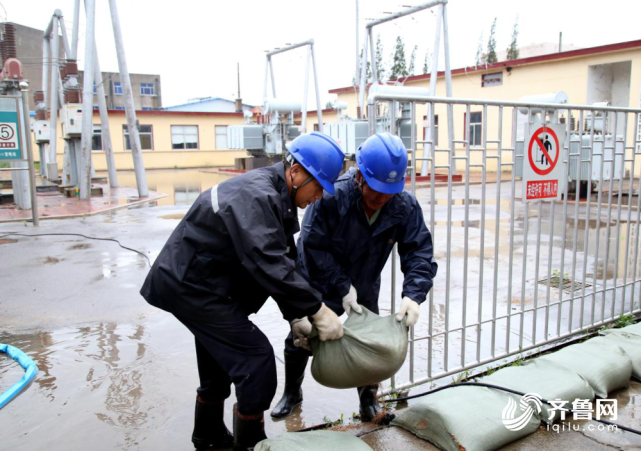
x=337, y=307
x=234, y=351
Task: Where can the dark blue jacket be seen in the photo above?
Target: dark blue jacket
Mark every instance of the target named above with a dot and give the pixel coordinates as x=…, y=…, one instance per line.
x=233, y=249
x=337, y=246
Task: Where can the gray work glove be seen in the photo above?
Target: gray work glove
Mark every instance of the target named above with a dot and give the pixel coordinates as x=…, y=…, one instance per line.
x=349, y=301
x=301, y=328
x=328, y=325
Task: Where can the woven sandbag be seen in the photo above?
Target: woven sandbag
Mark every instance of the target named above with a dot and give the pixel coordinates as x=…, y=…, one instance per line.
x=602, y=363
x=372, y=349
x=467, y=418
x=630, y=343
x=546, y=379
x=633, y=329
x=313, y=441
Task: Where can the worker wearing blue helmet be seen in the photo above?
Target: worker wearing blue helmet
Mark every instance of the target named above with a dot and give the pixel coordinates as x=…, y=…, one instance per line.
x=344, y=243
x=232, y=250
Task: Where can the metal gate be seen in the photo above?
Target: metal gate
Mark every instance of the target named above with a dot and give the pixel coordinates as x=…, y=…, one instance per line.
x=512, y=276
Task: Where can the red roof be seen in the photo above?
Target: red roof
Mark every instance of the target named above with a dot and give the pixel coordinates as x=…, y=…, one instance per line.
x=518, y=62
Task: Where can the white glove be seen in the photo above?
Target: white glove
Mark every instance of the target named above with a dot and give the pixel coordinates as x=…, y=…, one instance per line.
x=301, y=328
x=349, y=301
x=328, y=325
x=409, y=308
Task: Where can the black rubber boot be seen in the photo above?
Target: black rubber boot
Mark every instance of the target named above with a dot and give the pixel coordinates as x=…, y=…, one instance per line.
x=210, y=431
x=248, y=430
x=370, y=409
x=293, y=394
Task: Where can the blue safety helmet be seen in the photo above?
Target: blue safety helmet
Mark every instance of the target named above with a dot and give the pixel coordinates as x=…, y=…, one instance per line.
x=382, y=160
x=320, y=155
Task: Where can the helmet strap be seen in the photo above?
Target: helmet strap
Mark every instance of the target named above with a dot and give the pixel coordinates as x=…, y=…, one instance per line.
x=361, y=182
x=295, y=188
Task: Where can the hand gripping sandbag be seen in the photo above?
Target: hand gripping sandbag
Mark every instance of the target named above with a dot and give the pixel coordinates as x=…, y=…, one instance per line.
x=373, y=348
x=313, y=441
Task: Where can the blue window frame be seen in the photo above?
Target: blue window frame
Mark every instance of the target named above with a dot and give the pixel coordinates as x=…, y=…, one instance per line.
x=147, y=89
x=117, y=88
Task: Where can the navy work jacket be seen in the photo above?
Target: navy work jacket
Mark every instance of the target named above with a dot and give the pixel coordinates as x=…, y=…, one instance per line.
x=234, y=249
x=338, y=247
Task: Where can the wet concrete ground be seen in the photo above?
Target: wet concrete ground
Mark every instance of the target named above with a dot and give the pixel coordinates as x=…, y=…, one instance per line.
x=120, y=373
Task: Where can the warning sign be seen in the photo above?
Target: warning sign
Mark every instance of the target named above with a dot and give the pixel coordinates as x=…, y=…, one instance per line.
x=9, y=142
x=542, y=162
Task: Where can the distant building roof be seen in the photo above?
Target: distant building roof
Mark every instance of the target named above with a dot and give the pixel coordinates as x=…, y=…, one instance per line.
x=204, y=101
x=518, y=62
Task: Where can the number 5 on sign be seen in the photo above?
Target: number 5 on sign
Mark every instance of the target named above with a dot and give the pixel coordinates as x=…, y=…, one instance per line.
x=543, y=162
x=9, y=143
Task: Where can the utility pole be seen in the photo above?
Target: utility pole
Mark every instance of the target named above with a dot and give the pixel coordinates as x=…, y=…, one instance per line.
x=357, y=49
x=87, y=102
x=130, y=110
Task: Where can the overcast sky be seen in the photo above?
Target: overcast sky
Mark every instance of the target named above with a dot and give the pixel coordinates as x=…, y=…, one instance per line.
x=195, y=45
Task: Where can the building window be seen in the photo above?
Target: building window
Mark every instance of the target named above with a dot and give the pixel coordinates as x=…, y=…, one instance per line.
x=120, y=107
x=146, y=137
x=221, y=137
x=147, y=89
x=94, y=88
x=96, y=138
x=184, y=137
x=426, y=126
x=474, y=128
x=147, y=108
x=117, y=88
x=492, y=80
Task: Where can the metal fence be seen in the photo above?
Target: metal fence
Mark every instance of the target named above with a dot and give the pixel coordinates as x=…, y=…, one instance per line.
x=513, y=276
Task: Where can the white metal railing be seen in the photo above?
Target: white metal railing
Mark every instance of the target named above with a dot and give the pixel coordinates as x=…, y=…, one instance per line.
x=494, y=295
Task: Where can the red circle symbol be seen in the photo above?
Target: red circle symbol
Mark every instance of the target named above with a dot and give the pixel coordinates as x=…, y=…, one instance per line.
x=535, y=139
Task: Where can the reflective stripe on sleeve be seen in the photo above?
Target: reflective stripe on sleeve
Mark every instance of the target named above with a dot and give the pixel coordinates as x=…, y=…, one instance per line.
x=214, y=199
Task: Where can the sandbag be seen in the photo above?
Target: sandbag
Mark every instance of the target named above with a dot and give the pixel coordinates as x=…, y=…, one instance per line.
x=633, y=329
x=372, y=349
x=468, y=418
x=602, y=363
x=630, y=343
x=546, y=379
x=313, y=441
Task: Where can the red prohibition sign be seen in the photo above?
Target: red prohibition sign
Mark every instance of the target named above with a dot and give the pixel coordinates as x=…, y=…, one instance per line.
x=535, y=139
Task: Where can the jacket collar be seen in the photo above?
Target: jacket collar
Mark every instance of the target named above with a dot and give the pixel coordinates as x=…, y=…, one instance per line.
x=289, y=209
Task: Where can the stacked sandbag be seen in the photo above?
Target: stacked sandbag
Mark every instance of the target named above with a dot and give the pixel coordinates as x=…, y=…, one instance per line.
x=372, y=349
x=313, y=441
x=603, y=364
x=469, y=418
x=548, y=380
x=630, y=343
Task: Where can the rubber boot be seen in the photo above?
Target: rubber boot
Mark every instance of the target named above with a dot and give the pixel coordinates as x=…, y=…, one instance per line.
x=210, y=431
x=370, y=409
x=248, y=430
x=293, y=394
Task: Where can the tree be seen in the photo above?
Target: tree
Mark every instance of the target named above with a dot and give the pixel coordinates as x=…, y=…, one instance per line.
x=490, y=55
x=410, y=71
x=399, y=67
x=513, y=49
x=480, y=56
x=368, y=72
x=380, y=68
x=427, y=62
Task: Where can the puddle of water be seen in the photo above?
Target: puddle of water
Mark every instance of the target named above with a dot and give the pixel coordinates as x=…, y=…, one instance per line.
x=182, y=186
x=132, y=387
